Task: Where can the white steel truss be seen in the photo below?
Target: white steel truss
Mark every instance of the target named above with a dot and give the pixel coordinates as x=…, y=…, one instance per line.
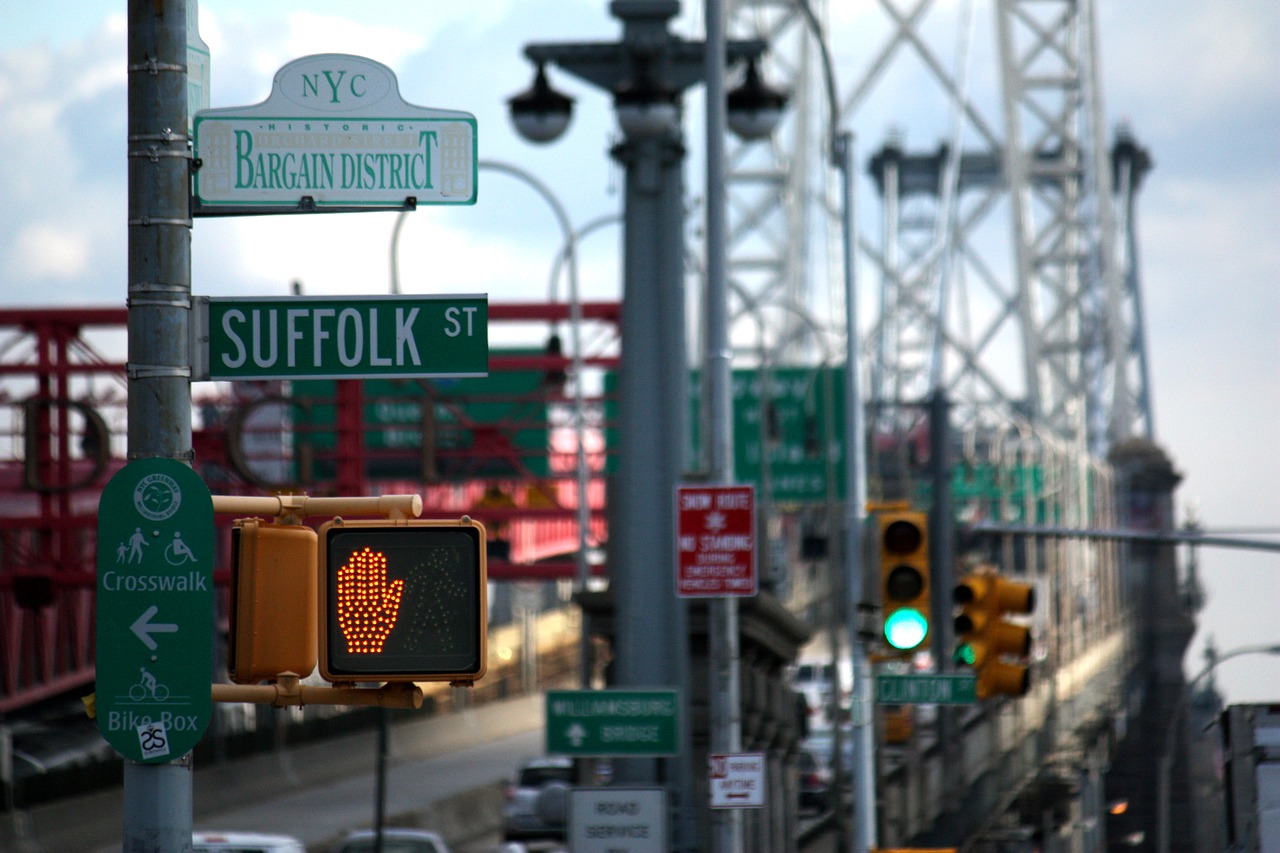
x=1003, y=258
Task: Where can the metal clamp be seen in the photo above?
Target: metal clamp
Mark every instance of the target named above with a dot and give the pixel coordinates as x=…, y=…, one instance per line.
x=140, y=301
x=159, y=220
x=152, y=67
x=167, y=136
x=156, y=371
x=181, y=455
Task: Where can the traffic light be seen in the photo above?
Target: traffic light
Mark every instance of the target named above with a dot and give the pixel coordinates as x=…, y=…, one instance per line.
x=403, y=601
x=904, y=578
x=993, y=647
x=273, y=601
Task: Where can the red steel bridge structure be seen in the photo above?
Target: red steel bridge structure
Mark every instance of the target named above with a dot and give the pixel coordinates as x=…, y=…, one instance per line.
x=503, y=450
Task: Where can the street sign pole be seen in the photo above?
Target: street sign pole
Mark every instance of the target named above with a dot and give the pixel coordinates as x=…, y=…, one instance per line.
x=158, y=797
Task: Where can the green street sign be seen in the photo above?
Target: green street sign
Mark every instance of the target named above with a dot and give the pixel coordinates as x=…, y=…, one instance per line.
x=613, y=722
x=154, y=610
x=340, y=337
x=926, y=689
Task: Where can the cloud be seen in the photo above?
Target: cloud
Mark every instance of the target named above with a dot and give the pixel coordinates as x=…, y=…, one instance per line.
x=46, y=250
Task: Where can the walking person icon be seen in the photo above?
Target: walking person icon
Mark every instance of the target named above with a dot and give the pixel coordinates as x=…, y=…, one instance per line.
x=136, y=543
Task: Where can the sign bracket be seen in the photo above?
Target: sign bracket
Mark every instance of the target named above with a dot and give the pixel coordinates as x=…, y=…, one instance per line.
x=306, y=204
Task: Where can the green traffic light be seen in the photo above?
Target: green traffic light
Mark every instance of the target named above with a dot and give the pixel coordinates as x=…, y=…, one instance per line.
x=905, y=629
x=965, y=654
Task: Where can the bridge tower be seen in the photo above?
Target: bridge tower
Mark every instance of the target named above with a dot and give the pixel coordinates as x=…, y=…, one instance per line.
x=996, y=252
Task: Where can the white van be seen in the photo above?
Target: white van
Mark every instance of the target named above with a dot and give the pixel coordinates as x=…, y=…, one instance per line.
x=244, y=842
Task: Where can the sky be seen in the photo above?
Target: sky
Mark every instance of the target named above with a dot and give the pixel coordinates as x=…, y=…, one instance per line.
x=1199, y=84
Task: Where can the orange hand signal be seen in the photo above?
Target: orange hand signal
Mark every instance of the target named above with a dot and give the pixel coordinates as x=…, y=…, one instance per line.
x=367, y=604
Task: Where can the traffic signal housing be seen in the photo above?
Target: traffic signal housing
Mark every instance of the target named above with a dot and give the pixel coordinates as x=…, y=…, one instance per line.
x=403, y=600
x=904, y=578
x=995, y=648
x=272, y=626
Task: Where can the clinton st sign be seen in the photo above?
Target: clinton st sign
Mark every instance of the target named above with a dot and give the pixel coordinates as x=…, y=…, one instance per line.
x=334, y=134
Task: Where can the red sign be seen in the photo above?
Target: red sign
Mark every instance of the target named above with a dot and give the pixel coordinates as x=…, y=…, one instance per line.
x=715, y=541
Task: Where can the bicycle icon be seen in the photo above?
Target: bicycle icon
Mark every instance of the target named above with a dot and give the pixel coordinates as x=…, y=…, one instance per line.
x=177, y=552
x=147, y=685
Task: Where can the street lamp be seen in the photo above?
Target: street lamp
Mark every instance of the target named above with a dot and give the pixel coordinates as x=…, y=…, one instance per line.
x=646, y=72
x=841, y=154
x=540, y=113
x=568, y=253
x=1166, y=753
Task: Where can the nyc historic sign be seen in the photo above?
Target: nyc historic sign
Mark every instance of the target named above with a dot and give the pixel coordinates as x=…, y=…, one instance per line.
x=340, y=337
x=333, y=135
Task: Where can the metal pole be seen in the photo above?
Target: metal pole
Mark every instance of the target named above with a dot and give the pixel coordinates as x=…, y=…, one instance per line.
x=726, y=711
x=158, y=797
x=380, y=782
x=855, y=452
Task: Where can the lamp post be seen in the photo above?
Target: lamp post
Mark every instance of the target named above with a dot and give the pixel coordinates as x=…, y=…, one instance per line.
x=1166, y=752
x=646, y=72
x=568, y=253
x=841, y=153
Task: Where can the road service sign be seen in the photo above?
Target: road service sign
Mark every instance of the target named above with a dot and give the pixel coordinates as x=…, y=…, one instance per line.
x=155, y=610
x=613, y=722
x=737, y=780
x=334, y=133
x=715, y=541
x=617, y=820
x=340, y=337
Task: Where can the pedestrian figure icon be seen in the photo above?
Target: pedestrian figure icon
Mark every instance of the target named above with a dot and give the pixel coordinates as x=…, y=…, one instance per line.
x=136, y=543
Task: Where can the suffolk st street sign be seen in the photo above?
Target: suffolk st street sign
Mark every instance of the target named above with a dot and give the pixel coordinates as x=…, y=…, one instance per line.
x=334, y=134
x=340, y=337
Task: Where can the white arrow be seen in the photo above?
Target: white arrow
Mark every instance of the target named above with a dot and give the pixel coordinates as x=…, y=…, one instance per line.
x=144, y=628
x=576, y=734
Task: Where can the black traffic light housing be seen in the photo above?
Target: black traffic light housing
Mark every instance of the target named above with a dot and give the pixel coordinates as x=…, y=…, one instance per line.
x=996, y=649
x=403, y=600
x=903, y=540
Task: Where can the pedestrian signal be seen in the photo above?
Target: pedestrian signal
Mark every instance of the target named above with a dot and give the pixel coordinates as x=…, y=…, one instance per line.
x=403, y=600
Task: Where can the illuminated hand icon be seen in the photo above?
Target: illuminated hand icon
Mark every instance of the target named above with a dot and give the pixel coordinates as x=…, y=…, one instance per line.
x=367, y=604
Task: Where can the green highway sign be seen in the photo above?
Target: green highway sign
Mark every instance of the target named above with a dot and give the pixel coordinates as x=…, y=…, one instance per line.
x=791, y=411
x=340, y=337
x=926, y=689
x=154, y=610
x=613, y=722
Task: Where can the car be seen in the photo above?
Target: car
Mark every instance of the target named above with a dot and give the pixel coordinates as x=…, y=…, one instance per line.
x=244, y=842
x=536, y=800
x=814, y=781
x=394, y=841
